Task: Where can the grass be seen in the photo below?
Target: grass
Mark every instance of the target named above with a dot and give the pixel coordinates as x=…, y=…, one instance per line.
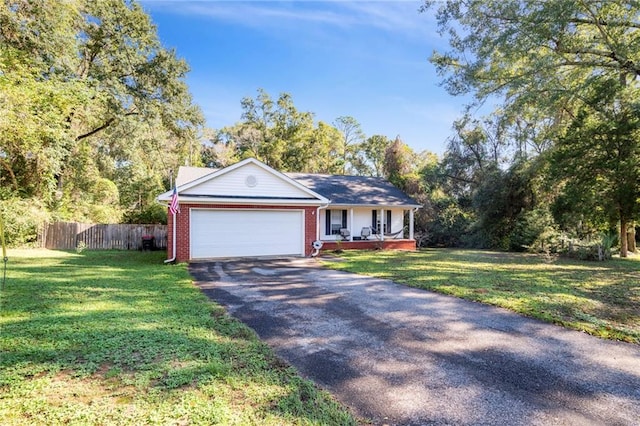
x=119, y=338
x=600, y=298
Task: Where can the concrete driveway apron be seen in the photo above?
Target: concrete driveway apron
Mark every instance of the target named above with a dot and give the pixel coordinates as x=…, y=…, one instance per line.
x=403, y=356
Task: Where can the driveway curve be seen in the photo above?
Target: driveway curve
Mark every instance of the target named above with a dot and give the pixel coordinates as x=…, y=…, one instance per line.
x=403, y=356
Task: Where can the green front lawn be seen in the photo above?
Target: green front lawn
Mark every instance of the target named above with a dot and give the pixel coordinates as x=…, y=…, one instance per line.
x=600, y=298
x=119, y=338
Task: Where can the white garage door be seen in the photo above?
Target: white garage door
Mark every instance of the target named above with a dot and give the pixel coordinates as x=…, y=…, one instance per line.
x=236, y=233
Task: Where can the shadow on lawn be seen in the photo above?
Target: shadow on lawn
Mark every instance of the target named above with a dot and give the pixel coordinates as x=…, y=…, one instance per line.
x=539, y=286
x=125, y=316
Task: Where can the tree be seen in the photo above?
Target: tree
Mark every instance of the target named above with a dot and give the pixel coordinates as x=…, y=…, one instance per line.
x=413, y=173
x=36, y=45
x=275, y=133
x=599, y=158
x=83, y=83
x=352, y=137
x=399, y=162
x=371, y=155
x=294, y=130
x=216, y=150
x=475, y=152
x=279, y=135
x=545, y=57
x=325, y=147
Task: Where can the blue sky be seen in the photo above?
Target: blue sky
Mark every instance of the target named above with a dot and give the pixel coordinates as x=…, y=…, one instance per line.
x=366, y=59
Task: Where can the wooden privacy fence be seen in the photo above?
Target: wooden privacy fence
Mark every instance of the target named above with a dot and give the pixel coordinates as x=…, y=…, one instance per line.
x=71, y=235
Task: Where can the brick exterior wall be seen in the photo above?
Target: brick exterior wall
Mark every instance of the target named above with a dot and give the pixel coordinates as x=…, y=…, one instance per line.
x=370, y=245
x=183, y=217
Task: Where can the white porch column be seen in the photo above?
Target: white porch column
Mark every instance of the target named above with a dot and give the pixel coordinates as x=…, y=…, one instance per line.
x=411, y=224
x=381, y=230
x=351, y=224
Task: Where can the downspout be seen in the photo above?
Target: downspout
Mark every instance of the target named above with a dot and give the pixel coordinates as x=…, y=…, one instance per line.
x=318, y=220
x=317, y=244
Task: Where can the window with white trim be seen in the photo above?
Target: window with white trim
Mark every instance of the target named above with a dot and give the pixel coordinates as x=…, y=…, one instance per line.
x=334, y=221
x=377, y=227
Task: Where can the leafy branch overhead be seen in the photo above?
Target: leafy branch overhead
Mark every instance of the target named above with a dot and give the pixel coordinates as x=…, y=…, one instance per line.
x=505, y=47
x=90, y=95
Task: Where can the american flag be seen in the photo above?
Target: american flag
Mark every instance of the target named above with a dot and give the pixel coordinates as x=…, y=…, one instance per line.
x=174, y=206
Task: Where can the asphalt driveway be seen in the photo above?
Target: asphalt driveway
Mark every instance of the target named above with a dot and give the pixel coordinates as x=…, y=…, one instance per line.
x=403, y=356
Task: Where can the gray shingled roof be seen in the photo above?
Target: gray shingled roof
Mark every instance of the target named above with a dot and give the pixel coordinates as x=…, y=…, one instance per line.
x=354, y=190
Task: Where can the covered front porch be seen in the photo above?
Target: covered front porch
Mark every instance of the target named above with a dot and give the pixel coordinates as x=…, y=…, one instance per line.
x=356, y=227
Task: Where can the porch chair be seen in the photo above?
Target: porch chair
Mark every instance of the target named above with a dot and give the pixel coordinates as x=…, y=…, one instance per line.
x=365, y=233
x=345, y=233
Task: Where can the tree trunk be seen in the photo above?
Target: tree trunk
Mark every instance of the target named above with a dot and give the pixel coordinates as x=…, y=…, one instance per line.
x=623, y=237
x=8, y=168
x=631, y=237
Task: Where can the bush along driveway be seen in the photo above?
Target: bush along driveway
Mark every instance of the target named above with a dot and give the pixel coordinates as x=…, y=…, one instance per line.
x=398, y=355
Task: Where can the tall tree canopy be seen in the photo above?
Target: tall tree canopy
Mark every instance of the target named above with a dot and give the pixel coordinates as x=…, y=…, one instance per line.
x=274, y=132
x=546, y=60
x=92, y=106
x=351, y=138
x=278, y=134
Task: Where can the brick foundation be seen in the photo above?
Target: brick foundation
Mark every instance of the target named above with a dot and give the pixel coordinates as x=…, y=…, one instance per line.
x=369, y=245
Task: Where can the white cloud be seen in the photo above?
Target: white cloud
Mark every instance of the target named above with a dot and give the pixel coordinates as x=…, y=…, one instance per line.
x=394, y=17
x=400, y=17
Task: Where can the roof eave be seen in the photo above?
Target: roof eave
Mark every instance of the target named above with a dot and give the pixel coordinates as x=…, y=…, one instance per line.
x=185, y=199
x=413, y=206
